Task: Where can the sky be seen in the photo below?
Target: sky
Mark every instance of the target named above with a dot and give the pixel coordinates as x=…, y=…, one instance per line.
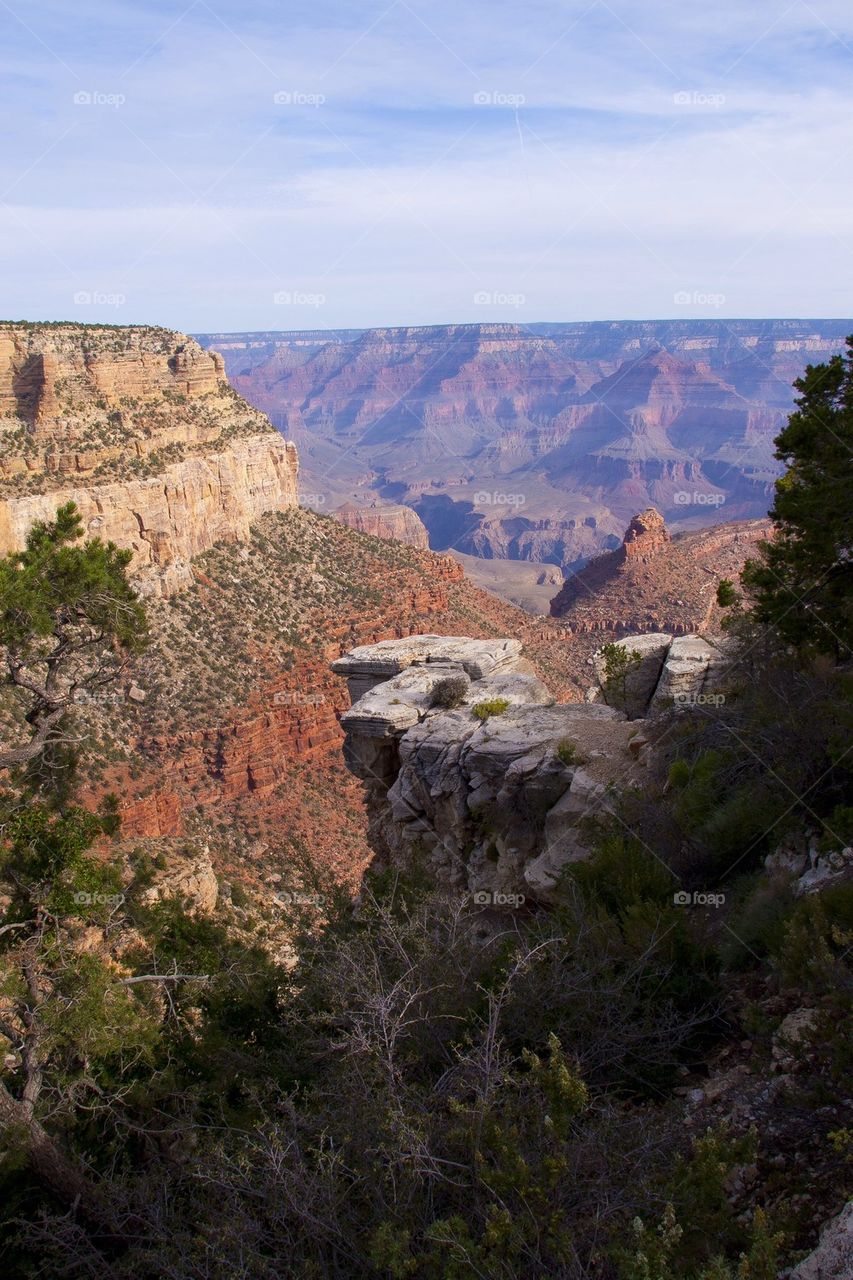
x=244, y=164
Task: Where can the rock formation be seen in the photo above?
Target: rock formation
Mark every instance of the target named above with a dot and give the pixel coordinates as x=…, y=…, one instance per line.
x=471, y=768
x=654, y=582
x=385, y=520
x=645, y=536
x=665, y=672
x=491, y=791
x=139, y=428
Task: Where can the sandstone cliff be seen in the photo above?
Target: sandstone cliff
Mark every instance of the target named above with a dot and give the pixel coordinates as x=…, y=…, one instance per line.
x=385, y=520
x=139, y=427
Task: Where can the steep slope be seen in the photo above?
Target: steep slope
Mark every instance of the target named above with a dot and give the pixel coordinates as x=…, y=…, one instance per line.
x=228, y=726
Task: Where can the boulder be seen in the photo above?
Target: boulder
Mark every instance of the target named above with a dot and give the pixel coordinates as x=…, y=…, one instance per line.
x=642, y=679
x=372, y=664
x=832, y=1259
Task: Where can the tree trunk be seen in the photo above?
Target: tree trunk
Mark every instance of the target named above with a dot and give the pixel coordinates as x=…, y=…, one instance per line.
x=47, y=1160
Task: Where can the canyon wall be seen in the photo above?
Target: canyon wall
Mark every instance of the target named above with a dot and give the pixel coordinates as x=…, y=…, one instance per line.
x=385, y=520
x=139, y=427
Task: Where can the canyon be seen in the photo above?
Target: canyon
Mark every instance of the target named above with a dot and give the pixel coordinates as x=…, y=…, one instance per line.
x=535, y=443
x=227, y=728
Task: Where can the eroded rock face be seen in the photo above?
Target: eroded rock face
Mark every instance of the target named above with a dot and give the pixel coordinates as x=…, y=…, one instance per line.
x=139, y=427
x=645, y=535
x=387, y=520
x=666, y=672
x=492, y=794
x=168, y=518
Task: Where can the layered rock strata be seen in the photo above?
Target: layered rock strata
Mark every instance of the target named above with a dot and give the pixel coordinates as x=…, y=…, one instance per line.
x=655, y=582
x=386, y=520
x=139, y=427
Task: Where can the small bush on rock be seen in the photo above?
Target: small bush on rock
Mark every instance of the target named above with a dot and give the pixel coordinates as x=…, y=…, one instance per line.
x=490, y=707
x=450, y=692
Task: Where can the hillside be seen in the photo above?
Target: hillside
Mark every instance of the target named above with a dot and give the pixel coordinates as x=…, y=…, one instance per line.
x=657, y=582
x=229, y=722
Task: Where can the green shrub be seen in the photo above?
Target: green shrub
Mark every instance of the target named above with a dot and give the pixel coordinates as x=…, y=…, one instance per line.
x=568, y=753
x=490, y=707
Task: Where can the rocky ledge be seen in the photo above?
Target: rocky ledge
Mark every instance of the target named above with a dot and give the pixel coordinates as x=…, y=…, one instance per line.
x=473, y=771
x=471, y=767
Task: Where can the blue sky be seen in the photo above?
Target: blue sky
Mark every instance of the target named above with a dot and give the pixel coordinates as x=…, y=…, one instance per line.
x=220, y=164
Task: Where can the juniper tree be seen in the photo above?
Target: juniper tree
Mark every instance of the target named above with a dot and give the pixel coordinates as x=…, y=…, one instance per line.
x=802, y=584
